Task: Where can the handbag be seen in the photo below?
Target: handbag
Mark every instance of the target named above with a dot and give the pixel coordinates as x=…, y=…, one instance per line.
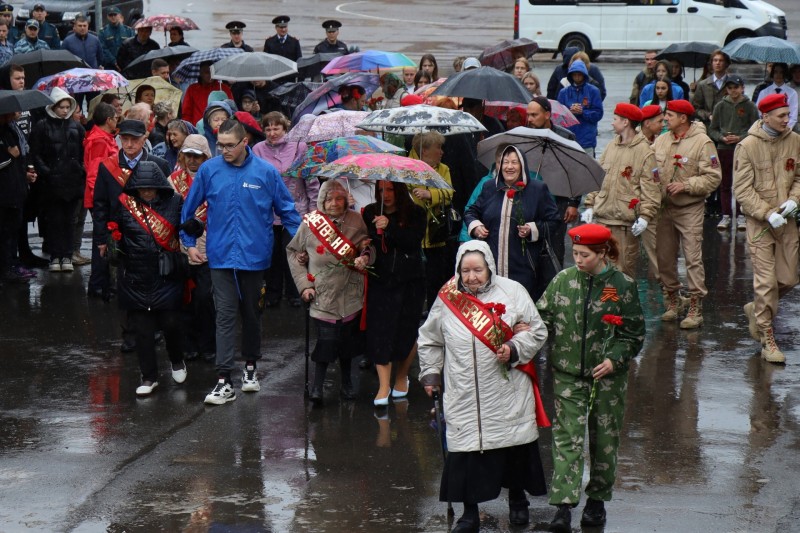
x=445, y=222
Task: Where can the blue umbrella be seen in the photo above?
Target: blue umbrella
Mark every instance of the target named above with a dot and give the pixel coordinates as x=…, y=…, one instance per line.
x=189, y=69
x=327, y=96
x=367, y=60
x=763, y=50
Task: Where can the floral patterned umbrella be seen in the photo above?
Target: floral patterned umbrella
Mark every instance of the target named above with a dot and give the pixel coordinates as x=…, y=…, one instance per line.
x=388, y=167
x=82, y=80
x=315, y=128
x=502, y=56
x=419, y=119
x=327, y=95
x=559, y=113
x=366, y=61
x=328, y=151
x=165, y=22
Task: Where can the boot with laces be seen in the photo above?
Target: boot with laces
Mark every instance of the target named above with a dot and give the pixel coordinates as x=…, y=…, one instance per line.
x=694, y=317
x=750, y=313
x=674, y=304
x=769, y=348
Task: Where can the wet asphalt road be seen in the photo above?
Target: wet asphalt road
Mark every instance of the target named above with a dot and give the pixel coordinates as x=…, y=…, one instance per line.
x=710, y=438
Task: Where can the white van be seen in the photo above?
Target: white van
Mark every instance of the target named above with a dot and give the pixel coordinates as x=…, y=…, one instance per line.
x=595, y=25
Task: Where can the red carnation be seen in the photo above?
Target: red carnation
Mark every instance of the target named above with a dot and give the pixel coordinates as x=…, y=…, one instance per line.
x=520, y=184
x=112, y=226
x=116, y=235
x=510, y=193
x=320, y=249
x=614, y=320
x=310, y=277
x=500, y=309
x=633, y=203
x=678, y=159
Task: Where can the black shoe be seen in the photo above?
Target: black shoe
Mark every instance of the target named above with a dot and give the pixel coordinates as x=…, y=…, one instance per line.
x=347, y=392
x=466, y=525
x=518, y=513
x=562, y=522
x=316, y=396
x=594, y=514
x=128, y=345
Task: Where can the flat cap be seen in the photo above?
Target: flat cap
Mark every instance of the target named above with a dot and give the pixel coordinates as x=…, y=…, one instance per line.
x=681, y=106
x=589, y=234
x=650, y=111
x=629, y=111
x=773, y=101
x=134, y=128
x=281, y=20
x=235, y=25
x=331, y=24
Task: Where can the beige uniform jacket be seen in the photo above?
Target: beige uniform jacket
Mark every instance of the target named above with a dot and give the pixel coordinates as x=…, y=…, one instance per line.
x=766, y=173
x=697, y=167
x=630, y=173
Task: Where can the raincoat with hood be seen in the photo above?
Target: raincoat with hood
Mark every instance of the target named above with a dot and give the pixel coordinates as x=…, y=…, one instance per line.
x=484, y=409
x=533, y=205
x=557, y=79
x=588, y=96
x=211, y=136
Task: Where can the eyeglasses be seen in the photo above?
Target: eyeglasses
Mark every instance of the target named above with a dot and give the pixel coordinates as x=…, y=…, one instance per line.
x=228, y=147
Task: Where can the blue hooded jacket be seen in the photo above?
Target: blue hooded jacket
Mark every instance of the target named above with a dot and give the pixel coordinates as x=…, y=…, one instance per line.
x=588, y=96
x=211, y=136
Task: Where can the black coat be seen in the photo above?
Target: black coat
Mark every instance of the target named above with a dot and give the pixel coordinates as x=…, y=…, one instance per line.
x=131, y=49
x=141, y=287
x=401, y=261
x=57, y=150
x=290, y=49
x=13, y=185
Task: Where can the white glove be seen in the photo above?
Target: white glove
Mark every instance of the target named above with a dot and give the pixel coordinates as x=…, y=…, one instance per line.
x=638, y=227
x=776, y=220
x=788, y=206
x=587, y=216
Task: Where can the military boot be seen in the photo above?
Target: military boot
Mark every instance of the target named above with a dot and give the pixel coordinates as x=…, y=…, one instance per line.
x=750, y=313
x=674, y=304
x=694, y=317
x=769, y=348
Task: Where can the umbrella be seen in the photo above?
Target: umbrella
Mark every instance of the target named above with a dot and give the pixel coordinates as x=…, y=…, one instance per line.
x=385, y=167
x=255, y=66
x=140, y=67
x=564, y=166
x=419, y=119
x=43, y=63
x=292, y=94
x=315, y=128
x=559, y=113
x=165, y=91
x=189, y=69
x=367, y=60
x=165, y=22
x=502, y=56
x=693, y=54
x=327, y=95
x=426, y=90
x=328, y=151
x=484, y=83
x=14, y=101
x=309, y=67
x=82, y=80
x=763, y=50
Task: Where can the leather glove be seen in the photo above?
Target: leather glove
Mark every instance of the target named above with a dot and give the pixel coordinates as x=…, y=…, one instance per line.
x=638, y=227
x=776, y=220
x=587, y=216
x=192, y=227
x=788, y=206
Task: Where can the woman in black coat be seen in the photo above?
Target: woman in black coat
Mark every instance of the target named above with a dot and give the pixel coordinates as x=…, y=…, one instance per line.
x=57, y=150
x=147, y=227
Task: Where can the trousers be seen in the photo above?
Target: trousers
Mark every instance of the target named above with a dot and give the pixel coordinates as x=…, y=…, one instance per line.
x=682, y=227
x=628, y=249
x=774, y=258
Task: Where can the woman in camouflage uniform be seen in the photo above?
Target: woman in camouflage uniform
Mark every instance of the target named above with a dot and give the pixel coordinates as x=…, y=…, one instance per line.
x=589, y=359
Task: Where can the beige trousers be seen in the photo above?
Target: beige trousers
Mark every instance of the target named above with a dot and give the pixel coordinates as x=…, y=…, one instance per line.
x=774, y=258
x=628, y=249
x=649, y=242
x=682, y=227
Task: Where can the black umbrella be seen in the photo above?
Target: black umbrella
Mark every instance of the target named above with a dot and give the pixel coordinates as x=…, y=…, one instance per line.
x=43, y=63
x=484, y=83
x=502, y=56
x=14, y=101
x=140, y=67
x=693, y=54
x=292, y=94
x=309, y=67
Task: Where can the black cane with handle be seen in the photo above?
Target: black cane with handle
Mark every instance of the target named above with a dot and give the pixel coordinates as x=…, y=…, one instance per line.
x=437, y=405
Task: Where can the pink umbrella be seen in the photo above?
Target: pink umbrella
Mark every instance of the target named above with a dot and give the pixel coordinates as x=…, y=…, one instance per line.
x=559, y=113
x=313, y=128
x=385, y=167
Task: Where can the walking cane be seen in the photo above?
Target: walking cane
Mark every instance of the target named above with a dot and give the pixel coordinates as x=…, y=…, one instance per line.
x=437, y=405
x=308, y=321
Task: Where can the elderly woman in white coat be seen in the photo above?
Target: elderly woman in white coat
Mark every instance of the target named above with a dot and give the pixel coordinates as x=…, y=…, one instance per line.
x=489, y=404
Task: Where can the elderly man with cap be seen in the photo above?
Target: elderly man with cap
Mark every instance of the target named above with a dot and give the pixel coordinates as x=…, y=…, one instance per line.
x=113, y=34
x=47, y=32
x=236, y=30
x=136, y=46
x=731, y=120
x=689, y=167
x=631, y=179
x=31, y=41
x=766, y=183
x=7, y=16
x=331, y=44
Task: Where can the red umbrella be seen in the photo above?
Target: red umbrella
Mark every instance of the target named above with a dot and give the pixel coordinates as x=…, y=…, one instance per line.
x=165, y=22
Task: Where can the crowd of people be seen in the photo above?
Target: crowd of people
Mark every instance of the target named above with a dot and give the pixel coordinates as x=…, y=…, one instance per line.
x=196, y=224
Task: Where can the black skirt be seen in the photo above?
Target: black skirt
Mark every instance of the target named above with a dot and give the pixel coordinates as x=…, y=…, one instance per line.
x=393, y=315
x=475, y=477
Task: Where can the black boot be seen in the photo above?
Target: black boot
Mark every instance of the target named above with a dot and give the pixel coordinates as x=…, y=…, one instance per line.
x=562, y=522
x=518, y=507
x=470, y=521
x=320, y=369
x=594, y=514
x=347, y=391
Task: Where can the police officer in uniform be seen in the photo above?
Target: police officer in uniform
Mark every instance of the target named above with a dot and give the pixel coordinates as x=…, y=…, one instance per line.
x=7, y=12
x=331, y=44
x=235, y=28
x=282, y=44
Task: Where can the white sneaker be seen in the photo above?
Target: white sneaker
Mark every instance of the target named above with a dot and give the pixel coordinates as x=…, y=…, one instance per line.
x=250, y=380
x=179, y=375
x=78, y=259
x=66, y=265
x=146, y=388
x=724, y=223
x=55, y=265
x=223, y=393
x=741, y=224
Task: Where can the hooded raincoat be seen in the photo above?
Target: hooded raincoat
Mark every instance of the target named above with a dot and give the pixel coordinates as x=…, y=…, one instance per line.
x=588, y=96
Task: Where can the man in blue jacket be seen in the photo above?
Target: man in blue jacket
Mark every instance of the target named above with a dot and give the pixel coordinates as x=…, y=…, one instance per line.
x=47, y=32
x=243, y=194
x=84, y=44
x=113, y=34
x=584, y=100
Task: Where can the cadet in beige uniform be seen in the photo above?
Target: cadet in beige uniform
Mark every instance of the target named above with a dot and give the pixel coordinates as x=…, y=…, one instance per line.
x=651, y=126
x=630, y=167
x=766, y=183
x=689, y=169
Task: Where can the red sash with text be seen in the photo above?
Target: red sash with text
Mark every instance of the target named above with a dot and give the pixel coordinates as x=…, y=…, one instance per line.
x=492, y=331
x=120, y=175
x=182, y=181
x=162, y=231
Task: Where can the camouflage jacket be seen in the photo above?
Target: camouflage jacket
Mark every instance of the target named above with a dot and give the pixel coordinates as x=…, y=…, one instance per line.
x=573, y=307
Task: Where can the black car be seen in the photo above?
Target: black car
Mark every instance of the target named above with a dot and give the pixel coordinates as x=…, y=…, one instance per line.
x=62, y=13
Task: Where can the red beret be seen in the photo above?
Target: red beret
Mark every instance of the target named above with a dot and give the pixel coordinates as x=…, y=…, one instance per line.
x=650, y=111
x=411, y=99
x=681, y=106
x=629, y=111
x=589, y=234
x=773, y=101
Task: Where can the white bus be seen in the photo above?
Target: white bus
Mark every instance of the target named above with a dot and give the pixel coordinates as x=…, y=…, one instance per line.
x=596, y=25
